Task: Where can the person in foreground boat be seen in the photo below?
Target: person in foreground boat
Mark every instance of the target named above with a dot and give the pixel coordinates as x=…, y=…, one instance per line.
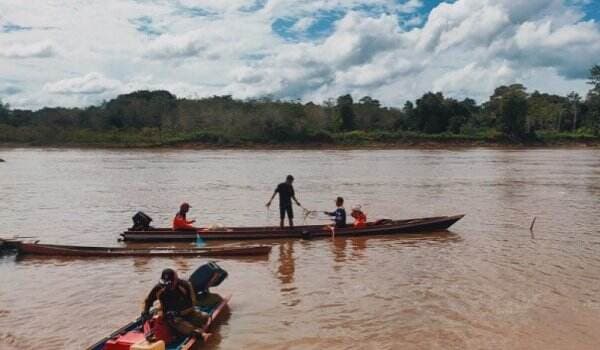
x=286, y=194
x=339, y=214
x=180, y=221
x=360, y=218
x=177, y=299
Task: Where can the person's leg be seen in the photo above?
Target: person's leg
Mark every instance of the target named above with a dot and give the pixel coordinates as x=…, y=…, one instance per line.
x=281, y=216
x=189, y=324
x=197, y=318
x=290, y=214
x=182, y=326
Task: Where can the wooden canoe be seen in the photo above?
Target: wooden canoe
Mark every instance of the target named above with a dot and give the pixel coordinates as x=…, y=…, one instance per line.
x=83, y=251
x=185, y=343
x=241, y=233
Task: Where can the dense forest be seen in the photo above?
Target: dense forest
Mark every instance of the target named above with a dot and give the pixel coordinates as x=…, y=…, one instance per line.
x=154, y=118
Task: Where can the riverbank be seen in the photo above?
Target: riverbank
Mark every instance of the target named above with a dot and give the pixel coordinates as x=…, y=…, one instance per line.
x=153, y=138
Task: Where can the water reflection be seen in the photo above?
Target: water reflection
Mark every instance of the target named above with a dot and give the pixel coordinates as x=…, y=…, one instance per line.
x=286, y=264
x=140, y=265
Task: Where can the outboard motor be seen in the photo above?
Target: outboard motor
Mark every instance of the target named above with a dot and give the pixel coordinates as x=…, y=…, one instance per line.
x=141, y=221
x=206, y=276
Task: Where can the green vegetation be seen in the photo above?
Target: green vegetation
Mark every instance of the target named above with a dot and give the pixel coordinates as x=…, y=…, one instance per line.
x=157, y=118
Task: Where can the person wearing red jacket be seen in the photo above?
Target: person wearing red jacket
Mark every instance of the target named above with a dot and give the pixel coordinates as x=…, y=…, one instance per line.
x=180, y=222
x=360, y=219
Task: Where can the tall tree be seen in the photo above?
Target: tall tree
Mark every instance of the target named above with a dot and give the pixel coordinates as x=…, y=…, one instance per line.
x=593, y=98
x=513, y=113
x=595, y=77
x=432, y=113
x=345, y=113
x=574, y=100
x=4, y=111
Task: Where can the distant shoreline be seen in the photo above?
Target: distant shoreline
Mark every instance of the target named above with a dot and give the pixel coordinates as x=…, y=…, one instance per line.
x=407, y=144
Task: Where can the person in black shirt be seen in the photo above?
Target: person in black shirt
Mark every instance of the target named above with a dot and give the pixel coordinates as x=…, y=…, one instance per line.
x=177, y=300
x=286, y=194
x=339, y=215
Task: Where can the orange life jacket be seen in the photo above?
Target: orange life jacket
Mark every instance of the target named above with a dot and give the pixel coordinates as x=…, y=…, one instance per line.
x=180, y=223
x=360, y=219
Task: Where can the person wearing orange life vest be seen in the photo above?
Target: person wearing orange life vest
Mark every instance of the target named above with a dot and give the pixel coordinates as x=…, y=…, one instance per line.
x=180, y=222
x=360, y=218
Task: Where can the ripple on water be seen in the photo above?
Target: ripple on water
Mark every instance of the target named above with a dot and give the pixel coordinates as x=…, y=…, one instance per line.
x=491, y=284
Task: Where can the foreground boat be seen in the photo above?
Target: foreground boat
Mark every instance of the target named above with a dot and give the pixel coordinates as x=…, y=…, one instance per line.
x=82, y=251
x=381, y=227
x=133, y=335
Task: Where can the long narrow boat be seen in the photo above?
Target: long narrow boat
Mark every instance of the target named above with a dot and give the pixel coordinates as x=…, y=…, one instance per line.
x=133, y=334
x=83, y=251
x=381, y=227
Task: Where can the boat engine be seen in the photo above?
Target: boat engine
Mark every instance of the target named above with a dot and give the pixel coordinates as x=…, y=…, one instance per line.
x=141, y=221
x=206, y=276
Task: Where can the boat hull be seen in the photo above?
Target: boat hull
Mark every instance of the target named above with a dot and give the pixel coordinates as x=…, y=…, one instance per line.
x=243, y=233
x=82, y=251
x=180, y=344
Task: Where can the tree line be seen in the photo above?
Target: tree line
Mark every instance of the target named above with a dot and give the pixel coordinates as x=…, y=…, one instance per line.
x=158, y=117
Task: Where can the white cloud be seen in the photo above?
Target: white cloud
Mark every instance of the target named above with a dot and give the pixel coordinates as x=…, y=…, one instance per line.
x=303, y=24
x=174, y=46
x=92, y=83
x=464, y=48
x=41, y=49
x=410, y=6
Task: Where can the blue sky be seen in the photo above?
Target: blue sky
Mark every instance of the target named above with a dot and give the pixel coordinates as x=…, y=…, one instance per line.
x=69, y=53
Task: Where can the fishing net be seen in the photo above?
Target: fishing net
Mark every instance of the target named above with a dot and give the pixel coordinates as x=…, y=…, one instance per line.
x=310, y=214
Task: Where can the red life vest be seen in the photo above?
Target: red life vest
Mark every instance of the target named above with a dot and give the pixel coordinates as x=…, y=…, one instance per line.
x=180, y=223
x=360, y=219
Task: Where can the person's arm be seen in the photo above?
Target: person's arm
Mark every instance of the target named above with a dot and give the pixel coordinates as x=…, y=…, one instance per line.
x=294, y=197
x=181, y=223
x=150, y=299
x=329, y=213
x=273, y=196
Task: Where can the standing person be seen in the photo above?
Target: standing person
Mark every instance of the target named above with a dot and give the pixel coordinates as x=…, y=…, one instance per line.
x=177, y=300
x=339, y=214
x=180, y=222
x=286, y=194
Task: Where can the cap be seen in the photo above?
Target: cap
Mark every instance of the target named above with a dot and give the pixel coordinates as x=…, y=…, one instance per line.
x=290, y=177
x=168, y=276
x=184, y=204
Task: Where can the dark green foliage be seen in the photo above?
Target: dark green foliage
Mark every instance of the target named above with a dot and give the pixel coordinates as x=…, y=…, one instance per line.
x=345, y=113
x=431, y=113
x=595, y=78
x=513, y=113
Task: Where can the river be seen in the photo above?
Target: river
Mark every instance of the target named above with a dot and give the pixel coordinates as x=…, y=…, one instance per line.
x=489, y=283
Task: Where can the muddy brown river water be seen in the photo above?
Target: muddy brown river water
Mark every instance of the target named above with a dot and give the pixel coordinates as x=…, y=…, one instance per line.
x=489, y=283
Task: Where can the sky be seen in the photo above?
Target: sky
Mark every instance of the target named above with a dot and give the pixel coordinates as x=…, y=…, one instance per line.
x=80, y=53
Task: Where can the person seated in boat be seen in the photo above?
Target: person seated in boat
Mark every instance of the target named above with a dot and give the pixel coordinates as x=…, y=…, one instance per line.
x=339, y=214
x=177, y=299
x=180, y=222
x=286, y=194
x=360, y=218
